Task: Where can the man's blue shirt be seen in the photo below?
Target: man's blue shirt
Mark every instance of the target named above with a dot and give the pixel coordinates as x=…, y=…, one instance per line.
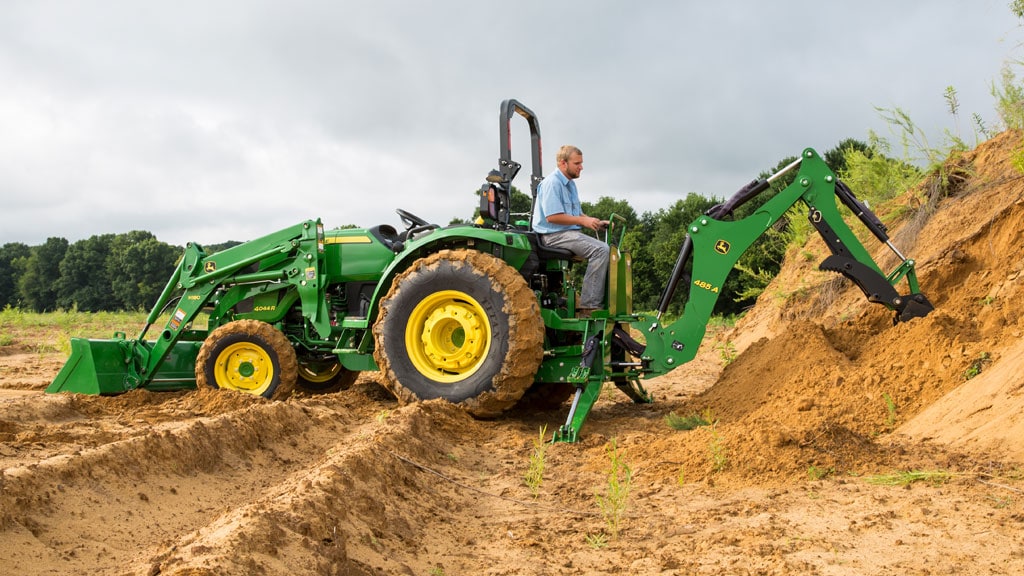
x=556, y=195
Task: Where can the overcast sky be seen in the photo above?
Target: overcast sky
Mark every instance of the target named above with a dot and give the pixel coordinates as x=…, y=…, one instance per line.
x=224, y=120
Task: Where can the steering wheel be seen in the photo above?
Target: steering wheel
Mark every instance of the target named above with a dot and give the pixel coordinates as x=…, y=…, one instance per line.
x=413, y=224
x=410, y=220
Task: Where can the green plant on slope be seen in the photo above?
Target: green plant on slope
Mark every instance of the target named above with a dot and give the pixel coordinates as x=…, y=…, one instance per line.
x=1009, y=97
x=984, y=359
x=717, y=452
x=874, y=176
x=916, y=146
x=890, y=409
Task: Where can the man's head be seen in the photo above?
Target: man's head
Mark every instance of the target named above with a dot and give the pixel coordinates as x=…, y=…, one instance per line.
x=570, y=161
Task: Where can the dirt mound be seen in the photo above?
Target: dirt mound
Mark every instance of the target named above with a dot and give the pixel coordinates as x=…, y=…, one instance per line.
x=823, y=393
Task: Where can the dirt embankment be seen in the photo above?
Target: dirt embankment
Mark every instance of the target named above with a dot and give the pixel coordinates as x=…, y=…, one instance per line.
x=825, y=395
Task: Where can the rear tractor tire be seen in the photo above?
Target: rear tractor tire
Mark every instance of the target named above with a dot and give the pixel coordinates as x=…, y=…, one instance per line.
x=248, y=356
x=460, y=325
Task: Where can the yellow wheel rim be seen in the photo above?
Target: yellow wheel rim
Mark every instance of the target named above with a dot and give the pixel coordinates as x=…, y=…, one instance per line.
x=245, y=367
x=448, y=336
x=310, y=374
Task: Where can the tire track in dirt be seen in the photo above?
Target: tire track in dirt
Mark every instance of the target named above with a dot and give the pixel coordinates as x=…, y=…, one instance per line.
x=96, y=501
x=363, y=508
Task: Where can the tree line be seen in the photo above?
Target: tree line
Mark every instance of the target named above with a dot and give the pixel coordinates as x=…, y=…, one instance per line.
x=128, y=271
x=104, y=272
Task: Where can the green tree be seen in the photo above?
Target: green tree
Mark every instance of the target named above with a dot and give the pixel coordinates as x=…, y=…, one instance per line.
x=655, y=244
x=521, y=202
x=12, y=258
x=38, y=284
x=214, y=248
x=84, y=276
x=606, y=206
x=836, y=157
x=139, y=271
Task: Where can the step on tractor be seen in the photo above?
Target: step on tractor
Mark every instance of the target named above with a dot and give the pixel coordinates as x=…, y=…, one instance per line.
x=482, y=314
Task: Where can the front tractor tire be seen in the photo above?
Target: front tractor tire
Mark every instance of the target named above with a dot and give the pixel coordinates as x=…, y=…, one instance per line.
x=248, y=356
x=460, y=325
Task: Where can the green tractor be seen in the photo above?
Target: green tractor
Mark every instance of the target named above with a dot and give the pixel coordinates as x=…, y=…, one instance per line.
x=482, y=315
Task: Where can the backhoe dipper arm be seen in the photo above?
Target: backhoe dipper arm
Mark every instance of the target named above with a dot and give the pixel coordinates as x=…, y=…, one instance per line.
x=713, y=246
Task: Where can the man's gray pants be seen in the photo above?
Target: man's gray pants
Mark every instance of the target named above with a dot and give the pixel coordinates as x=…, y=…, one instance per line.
x=595, y=252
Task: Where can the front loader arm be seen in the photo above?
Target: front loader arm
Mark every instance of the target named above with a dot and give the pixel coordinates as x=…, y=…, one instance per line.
x=713, y=245
x=290, y=259
x=290, y=256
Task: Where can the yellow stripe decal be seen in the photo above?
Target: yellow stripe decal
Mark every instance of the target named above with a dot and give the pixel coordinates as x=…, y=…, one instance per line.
x=347, y=240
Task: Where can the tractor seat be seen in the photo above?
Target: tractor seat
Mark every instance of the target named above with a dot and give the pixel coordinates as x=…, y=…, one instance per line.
x=550, y=252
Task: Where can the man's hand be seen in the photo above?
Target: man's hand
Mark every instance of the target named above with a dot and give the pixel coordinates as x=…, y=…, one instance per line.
x=595, y=224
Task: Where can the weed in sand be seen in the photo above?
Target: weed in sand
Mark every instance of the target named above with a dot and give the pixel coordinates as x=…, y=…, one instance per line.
x=820, y=473
x=717, y=452
x=727, y=352
x=908, y=477
x=597, y=541
x=890, y=411
x=615, y=500
x=677, y=422
x=1000, y=502
x=535, y=473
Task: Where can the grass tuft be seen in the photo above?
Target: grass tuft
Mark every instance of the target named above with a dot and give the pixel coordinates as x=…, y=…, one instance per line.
x=908, y=477
x=615, y=500
x=534, y=476
x=677, y=422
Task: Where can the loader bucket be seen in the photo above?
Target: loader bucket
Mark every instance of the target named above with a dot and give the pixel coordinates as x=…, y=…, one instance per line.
x=105, y=367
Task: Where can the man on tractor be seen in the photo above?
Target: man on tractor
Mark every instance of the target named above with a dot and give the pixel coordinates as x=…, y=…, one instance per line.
x=559, y=219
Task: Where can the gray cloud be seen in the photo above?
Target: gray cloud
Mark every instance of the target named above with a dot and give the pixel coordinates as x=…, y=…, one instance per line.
x=214, y=121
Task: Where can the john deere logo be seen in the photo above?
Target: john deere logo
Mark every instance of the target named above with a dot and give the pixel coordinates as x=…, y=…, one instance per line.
x=722, y=247
x=209, y=266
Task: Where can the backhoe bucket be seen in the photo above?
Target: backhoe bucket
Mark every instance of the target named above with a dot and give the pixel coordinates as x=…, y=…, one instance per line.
x=106, y=367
